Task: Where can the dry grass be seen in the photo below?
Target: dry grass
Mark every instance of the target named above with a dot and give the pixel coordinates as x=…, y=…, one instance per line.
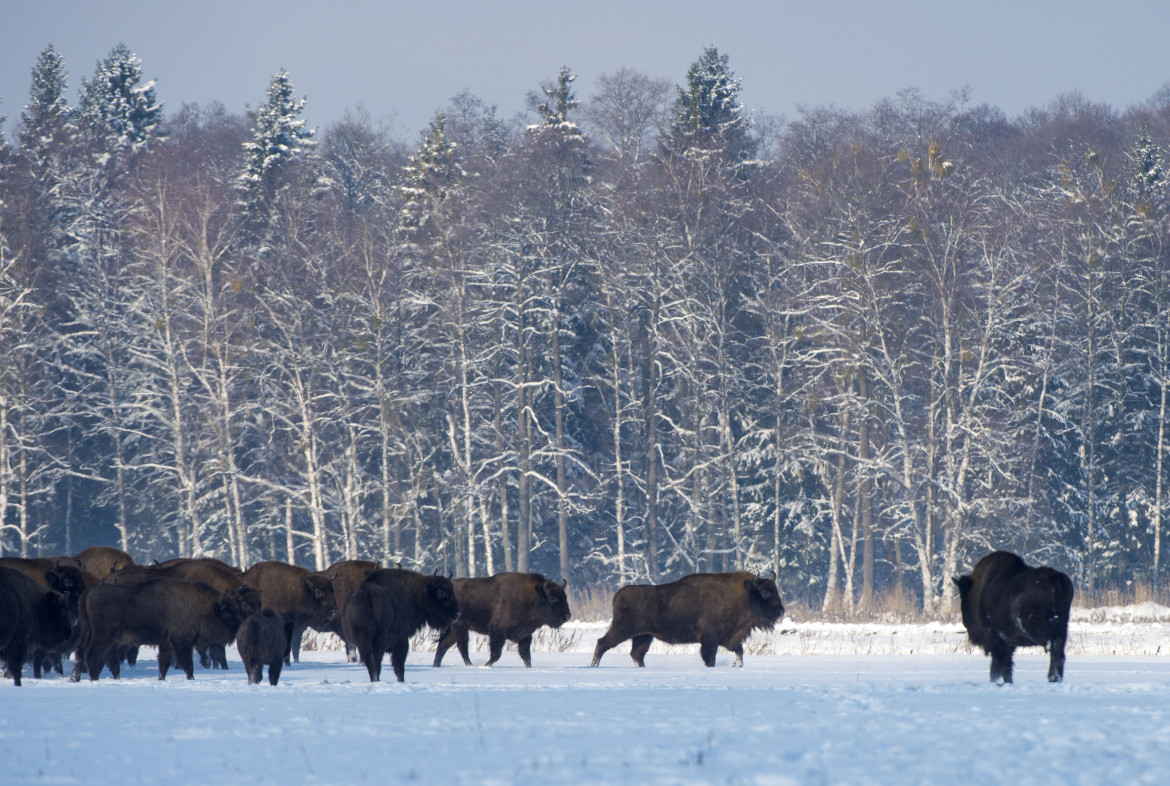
x=1130, y=595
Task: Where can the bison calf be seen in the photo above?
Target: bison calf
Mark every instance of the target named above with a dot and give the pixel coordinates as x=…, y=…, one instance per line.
x=1007, y=604
x=710, y=609
x=504, y=607
x=261, y=641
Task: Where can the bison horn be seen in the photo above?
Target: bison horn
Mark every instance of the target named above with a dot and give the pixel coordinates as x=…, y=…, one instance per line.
x=336, y=573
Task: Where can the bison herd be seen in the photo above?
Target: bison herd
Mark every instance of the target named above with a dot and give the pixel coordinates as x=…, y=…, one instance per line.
x=101, y=606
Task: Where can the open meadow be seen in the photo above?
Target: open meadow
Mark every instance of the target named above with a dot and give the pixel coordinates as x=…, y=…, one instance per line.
x=815, y=703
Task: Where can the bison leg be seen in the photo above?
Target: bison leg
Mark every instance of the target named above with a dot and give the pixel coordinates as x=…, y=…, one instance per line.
x=95, y=657
x=524, y=646
x=288, y=635
x=185, y=660
x=205, y=658
x=351, y=655
x=372, y=660
x=444, y=644
x=14, y=658
x=398, y=658
x=219, y=656
x=294, y=643
x=607, y=642
x=463, y=643
x=274, y=670
x=1001, y=664
x=495, y=646
x=738, y=650
x=165, y=656
x=639, y=647
x=707, y=649
x=1056, y=660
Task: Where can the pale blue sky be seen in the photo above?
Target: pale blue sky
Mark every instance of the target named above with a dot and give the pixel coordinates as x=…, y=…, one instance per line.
x=407, y=59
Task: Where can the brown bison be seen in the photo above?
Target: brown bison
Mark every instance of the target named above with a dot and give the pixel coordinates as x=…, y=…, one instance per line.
x=348, y=575
x=300, y=596
x=218, y=575
x=1007, y=604
x=103, y=560
x=261, y=642
x=388, y=608
x=33, y=619
x=63, y=575
x=504, y=607
x=711, y=609
x=172, y=614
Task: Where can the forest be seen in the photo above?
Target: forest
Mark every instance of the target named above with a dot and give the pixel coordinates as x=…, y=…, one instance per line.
x=623, y=338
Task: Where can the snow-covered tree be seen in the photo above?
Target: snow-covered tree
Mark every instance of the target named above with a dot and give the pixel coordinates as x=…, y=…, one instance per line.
x=707, y=112
x=279, y=137
x=117, y=108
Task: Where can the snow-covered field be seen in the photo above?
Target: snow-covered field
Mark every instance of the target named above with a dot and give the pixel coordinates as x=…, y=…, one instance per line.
x=815, y=703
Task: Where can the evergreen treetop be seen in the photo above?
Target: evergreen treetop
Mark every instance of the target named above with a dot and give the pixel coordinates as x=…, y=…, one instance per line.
x=115, y=107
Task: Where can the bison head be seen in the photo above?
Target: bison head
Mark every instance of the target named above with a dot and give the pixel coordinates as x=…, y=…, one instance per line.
x=441, y=608
x=964, y=584
x=227, y=615
x=764, y=599
x=318, y=590
x=249, y=600
x=553, y=602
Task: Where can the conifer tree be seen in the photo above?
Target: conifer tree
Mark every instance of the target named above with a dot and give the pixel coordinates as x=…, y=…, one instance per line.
x=47, y=109
x=707, y=111
x=279, y=137
x=121, y=113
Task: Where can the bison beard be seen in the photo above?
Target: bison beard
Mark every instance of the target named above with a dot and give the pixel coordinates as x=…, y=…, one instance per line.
x=389, y=607
x=710, y=609
x=1007, y=604
x=504, y=607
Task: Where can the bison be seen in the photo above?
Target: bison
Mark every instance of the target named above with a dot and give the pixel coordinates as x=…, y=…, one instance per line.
x=388, y=608
x=348, y=575
x=63, y=575
x=712, y=609
x=33, y=619
x=219, y=575
x=301, y=597
x=103, y=560
x=261, y=642
x=173, y=614
x=504, y=607
x=1007, y=604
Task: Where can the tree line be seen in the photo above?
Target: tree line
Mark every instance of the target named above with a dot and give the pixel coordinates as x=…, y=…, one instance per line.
x=629, y=338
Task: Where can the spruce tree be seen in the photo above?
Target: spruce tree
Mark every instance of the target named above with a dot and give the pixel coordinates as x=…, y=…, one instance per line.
x=279, y=137
x=707, y=112
x=47, y=110
x=116, y=109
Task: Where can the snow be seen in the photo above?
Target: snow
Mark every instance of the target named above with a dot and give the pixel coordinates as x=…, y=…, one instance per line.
x=815, y=703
